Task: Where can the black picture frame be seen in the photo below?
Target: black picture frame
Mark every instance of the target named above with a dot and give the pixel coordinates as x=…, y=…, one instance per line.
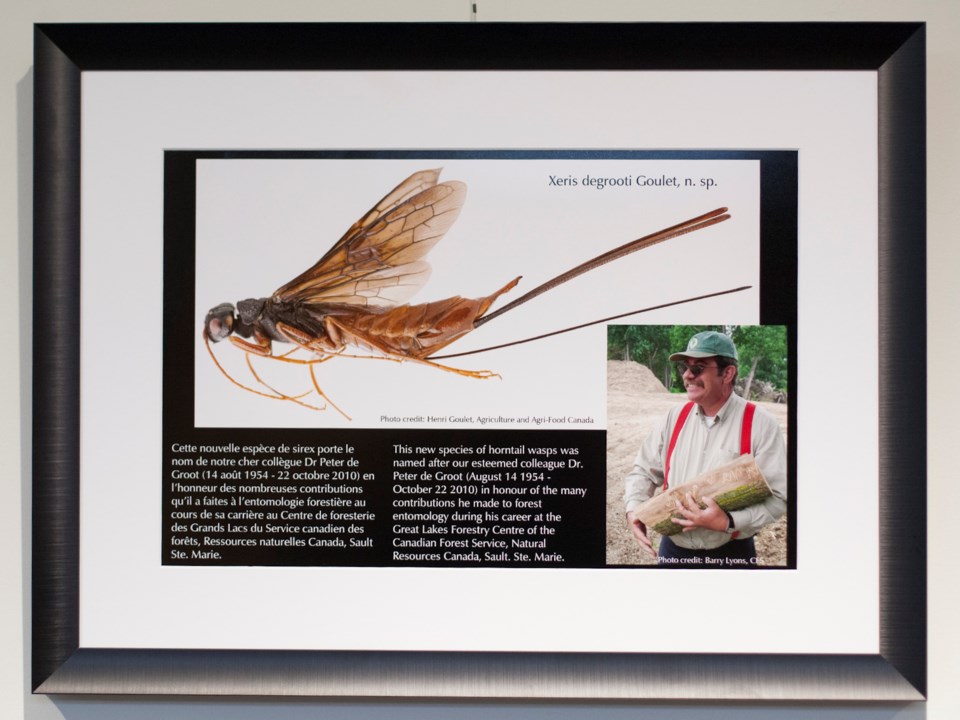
x=896, y=51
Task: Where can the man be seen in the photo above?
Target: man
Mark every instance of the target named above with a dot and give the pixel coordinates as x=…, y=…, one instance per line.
x=705, y=433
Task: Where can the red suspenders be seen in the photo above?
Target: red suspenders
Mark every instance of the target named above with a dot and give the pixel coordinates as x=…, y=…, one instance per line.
x=745, y=434
x=673, y=439
x=747, y=428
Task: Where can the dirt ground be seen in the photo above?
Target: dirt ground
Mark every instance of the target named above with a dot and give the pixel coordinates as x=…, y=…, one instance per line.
x=636, y=402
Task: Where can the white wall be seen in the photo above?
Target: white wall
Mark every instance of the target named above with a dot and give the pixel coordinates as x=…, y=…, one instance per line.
x=16, y=18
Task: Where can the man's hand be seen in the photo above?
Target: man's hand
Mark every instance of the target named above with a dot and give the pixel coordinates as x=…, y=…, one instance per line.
x=712, y=517
x=639, y=531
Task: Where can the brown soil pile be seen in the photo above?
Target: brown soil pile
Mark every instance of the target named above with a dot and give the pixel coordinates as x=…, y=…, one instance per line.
x=631, y=377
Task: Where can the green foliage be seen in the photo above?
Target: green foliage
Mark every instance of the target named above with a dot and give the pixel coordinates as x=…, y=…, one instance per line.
x=652, y=345
x=767, y=345
x=649, y=345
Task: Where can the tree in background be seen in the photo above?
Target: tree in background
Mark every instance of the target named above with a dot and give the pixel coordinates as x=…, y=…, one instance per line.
x=762, y=350
x=763, y=355
x=648, y=345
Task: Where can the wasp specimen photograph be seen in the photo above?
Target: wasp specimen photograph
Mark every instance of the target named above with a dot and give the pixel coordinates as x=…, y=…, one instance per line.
x=353, y=302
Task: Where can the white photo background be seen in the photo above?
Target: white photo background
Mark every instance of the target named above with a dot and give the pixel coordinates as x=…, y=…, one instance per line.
x=260, y=222
x=129, y=600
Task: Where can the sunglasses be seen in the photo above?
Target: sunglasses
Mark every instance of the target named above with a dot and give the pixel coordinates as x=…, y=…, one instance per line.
x=695, y=370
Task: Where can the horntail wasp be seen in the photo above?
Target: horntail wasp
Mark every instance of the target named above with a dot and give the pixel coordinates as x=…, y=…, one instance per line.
x=354, y=298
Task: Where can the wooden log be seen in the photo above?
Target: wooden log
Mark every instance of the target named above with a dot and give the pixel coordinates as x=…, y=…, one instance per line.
x=734, y=486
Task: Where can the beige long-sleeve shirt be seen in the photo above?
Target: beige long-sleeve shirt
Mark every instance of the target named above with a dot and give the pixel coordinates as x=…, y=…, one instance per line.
x=702, y=446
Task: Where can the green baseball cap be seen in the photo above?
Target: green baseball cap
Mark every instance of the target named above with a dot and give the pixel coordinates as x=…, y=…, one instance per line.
x=708, y=344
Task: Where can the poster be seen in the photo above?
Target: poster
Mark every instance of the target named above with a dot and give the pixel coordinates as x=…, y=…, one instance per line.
x=360, y=460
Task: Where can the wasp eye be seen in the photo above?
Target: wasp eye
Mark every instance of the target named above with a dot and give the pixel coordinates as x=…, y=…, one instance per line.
x=219, y=322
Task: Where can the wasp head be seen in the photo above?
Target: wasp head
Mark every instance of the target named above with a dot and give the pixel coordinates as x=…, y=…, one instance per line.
x=219, y=323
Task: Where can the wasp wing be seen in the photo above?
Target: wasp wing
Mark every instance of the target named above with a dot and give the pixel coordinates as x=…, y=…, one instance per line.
x=379, y=260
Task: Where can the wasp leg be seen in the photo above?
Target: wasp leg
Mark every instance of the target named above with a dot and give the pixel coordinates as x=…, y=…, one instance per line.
x=281, y=396
x=295, y=336
x=228, y=376
x=300, y=361
x=478, y=374
x=306, y=342
x=262, y=347
x=389, y=354
x=287, y=354
x=322, y=394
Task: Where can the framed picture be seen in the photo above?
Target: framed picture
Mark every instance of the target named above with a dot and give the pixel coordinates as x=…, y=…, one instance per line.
x=268, y=461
